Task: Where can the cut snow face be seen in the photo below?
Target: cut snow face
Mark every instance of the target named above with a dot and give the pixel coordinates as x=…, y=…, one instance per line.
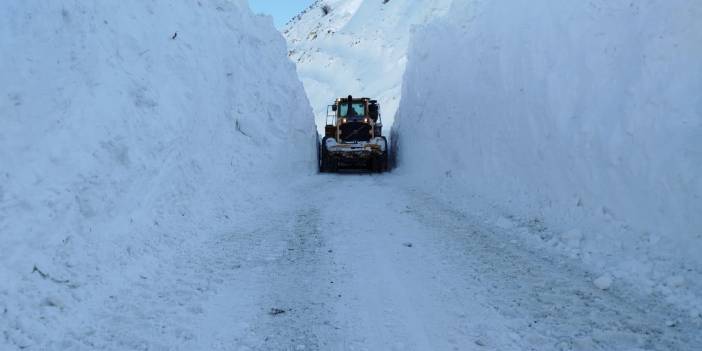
x=356, y=47
x=125, y=128
x=583, y=117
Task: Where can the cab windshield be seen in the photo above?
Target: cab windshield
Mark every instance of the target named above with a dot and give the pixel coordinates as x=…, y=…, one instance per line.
x=359, y=109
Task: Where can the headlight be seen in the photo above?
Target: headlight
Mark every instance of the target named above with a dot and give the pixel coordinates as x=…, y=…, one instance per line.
x=343, y=120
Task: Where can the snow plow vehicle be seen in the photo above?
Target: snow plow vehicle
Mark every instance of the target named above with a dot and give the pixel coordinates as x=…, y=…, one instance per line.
x=353, y=136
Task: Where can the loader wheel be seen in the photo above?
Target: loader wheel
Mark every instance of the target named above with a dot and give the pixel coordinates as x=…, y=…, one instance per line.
x=326, y=162
x=319, y=156
x=384, y=162
x=380, y=163
x=332, y=164
x=373, y=164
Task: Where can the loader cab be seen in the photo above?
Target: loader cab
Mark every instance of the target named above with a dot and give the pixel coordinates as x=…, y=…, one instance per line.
x=353, y=120
x=357, y=110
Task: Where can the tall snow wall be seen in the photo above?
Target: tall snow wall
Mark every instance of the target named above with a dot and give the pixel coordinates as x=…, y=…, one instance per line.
x=126, y=127
x=585, y=115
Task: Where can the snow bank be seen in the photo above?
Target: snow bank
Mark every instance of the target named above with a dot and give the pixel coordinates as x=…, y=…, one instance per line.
x=125, y=128
x=585, y=116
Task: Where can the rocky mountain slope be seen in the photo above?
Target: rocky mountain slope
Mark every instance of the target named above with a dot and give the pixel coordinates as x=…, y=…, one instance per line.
x=356, y=47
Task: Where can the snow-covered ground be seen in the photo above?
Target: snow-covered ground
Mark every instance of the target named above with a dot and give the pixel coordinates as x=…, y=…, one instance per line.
x=579, y=118
x=130, y=131
x=359, y=47
x=297, y=275
x=158, y=190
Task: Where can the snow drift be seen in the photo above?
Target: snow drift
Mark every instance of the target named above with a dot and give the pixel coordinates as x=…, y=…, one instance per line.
x=128, y=127
x=585, y=116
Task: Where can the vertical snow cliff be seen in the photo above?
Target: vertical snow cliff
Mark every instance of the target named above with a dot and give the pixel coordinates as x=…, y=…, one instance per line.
x=584, y=115
x=127, y=127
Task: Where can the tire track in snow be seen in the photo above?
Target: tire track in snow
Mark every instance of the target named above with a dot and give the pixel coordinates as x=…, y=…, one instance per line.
x=397, y=296
x=339, y=266
x=293, y=309
x=552, y=303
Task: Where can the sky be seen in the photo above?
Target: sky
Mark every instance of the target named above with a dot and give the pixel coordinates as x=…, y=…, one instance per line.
x=281, y=10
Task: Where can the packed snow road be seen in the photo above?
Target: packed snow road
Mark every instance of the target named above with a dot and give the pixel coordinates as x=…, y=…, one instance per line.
x=363, y=264
x=358, y=262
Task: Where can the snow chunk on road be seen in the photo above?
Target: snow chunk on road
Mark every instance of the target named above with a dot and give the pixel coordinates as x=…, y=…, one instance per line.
x=675, y=281
x=604, y=282
x=504, y=223
x=572, y=238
